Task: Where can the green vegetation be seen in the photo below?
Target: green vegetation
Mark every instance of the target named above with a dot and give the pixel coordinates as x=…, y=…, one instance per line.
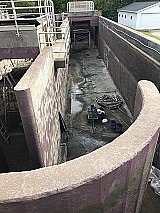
x=108, y=7
x=22, y=4
x=149, y=34
x=60, y=6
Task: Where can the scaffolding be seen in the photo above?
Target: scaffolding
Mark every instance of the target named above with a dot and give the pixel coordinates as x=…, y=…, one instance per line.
x=3, y=12
x=53, y=33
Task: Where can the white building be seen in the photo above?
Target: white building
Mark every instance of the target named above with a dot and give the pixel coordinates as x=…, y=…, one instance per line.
x=140, y=15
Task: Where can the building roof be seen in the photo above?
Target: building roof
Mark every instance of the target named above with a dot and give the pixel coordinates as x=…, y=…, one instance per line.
x=136, y=6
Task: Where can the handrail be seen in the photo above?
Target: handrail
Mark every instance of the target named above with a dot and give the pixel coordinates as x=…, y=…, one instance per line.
x=41, y=9
x=80, y=6
x=64, y=33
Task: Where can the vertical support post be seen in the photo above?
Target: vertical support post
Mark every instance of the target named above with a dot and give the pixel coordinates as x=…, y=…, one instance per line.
x=4, y=100
x=15, y=17
x=74, y=36
x=89, y=39
x=40, y=7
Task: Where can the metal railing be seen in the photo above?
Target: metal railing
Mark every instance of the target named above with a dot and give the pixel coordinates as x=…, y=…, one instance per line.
x=3, y=12
x=43, y=11
x=19, y=10
x=80, y=6
x=60, y=35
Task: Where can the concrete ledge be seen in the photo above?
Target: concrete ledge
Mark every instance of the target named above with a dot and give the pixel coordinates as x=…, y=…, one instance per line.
x=147, y=44
x=110, y=179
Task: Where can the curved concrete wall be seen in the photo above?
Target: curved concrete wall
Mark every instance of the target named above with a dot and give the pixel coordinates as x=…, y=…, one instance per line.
x=110, y=179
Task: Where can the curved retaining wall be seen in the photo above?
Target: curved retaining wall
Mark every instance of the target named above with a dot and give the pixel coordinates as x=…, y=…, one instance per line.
x=110, y=179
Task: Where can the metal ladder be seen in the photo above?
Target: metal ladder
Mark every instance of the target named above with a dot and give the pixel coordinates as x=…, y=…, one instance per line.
x=8, y=94
x=10, y=79
x=9, y=101
x=4, y=132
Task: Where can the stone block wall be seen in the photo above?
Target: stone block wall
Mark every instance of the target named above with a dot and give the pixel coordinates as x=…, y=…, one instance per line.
x=40, y=95
x=126, y=62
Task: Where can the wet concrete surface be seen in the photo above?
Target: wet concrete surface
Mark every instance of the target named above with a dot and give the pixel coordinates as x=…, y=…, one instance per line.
x=89, y=79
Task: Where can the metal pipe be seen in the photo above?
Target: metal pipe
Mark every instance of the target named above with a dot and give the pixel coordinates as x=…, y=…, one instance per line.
x=30, y=7
x=15, y=17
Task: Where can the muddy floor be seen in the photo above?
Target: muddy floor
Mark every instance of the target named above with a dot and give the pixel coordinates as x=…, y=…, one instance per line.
x=89, y=79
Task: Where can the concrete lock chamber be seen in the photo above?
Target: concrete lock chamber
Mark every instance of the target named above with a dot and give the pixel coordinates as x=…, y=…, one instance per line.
x=112, y=178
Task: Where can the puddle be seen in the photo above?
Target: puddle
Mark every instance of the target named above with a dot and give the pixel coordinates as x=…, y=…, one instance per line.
x=76, y=106
x=77, y=80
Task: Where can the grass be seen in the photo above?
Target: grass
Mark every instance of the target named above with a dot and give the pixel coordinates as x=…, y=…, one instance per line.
x=149, y=34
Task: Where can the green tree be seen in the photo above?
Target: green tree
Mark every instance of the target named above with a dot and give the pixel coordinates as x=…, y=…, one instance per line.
x=21, y=4
x=60, y=6
x=109, y=7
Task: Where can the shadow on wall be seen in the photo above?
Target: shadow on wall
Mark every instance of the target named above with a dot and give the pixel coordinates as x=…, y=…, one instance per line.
x=40, y=96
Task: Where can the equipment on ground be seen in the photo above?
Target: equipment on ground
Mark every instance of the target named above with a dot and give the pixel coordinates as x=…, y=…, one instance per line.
x=110, y=101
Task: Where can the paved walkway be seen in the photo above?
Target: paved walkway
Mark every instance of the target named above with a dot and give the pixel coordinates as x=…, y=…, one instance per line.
x=155, y=32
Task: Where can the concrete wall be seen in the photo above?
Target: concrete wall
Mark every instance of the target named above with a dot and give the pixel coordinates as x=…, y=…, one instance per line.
x=14, y=47
x=110, y=179
x=40, y=95
x=126, y=62
x=149, y=45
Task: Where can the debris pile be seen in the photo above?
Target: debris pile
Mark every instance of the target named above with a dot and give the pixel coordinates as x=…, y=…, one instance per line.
x=110, y=101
